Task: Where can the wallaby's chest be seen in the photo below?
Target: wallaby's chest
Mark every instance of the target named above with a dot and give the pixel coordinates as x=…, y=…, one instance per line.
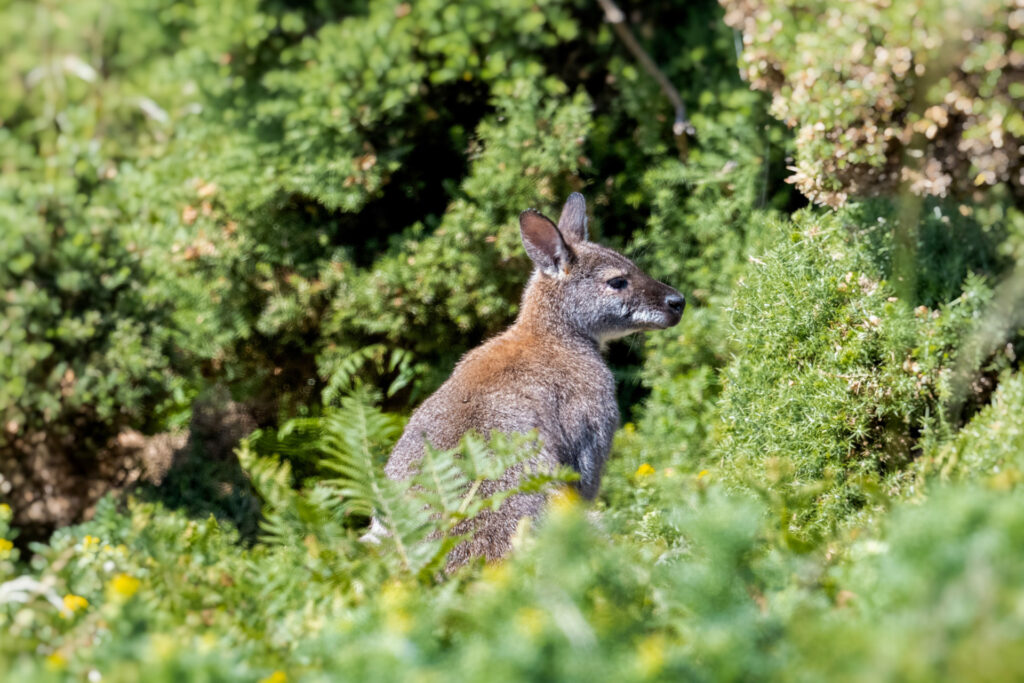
x=566, y=393
x=584, y=419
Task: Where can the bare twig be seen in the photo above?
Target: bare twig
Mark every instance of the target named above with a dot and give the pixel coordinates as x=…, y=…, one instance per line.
x=681, y=127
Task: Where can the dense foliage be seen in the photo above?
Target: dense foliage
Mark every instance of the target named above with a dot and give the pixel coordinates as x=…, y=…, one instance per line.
x=921, y=95
x=285, y=221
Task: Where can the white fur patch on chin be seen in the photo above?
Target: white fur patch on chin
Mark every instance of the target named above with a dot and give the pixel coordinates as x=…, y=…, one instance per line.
x=612, y=335
x=647, y=317
x=643, y=320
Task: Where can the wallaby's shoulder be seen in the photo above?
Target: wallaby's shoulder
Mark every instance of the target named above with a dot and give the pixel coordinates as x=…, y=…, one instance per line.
x=496, y=360
x=520, y=358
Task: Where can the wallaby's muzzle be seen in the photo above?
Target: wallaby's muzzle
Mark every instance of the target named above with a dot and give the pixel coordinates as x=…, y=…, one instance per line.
x=662, y=307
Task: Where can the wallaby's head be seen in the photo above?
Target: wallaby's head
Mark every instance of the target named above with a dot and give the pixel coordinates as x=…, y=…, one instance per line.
x=589, y=289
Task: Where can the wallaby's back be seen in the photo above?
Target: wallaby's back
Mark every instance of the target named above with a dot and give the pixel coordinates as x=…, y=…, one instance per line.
x=546, y=371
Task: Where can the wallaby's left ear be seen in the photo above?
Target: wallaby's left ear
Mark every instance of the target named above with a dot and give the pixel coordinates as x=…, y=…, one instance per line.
x=573, y=223
x=544, y=243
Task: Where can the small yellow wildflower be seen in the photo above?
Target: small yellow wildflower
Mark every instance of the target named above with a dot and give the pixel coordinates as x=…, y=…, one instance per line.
x=123, y=586
x=496, y=574
x=163, y=645
x=564, y=499
x=394, y=596
x=276, y=677
x=56, y=662
x=703, y=473
x=521, y=536
x=207, y=642
x=90, y=542
x=644, y=470
x=398, y=621
x=651, y=654
x=73, y=603
x=394, y=593
x=5, y=546
x=530, y=621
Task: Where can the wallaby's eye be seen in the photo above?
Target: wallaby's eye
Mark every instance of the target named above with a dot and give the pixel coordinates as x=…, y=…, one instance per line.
x=618, y=283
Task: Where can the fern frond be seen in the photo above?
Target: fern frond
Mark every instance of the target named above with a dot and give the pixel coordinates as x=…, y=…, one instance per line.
x=271, y=478
x=408, y=521
x=289, y=515
x=348, y=442
x=345, y=370
x=441, y=482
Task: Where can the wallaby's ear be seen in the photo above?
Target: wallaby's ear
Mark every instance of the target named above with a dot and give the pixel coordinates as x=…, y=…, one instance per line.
x=573, y=223
x=544, y=244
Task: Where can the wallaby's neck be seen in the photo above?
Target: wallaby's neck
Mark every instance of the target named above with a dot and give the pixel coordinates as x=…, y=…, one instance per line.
x=542, y=316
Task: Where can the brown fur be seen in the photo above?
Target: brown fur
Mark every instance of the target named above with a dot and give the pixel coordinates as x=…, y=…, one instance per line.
x=545, y=372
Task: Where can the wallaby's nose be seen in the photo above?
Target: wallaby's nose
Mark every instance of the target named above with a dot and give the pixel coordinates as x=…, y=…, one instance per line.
x=675, y=302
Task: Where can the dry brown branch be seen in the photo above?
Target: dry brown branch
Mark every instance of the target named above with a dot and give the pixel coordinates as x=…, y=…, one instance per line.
x=681, y=127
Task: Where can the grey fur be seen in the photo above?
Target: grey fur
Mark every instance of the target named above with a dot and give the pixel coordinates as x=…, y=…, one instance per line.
x=545, y=372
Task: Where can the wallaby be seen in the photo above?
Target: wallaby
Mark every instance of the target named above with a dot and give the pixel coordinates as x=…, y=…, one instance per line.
x=545, y=372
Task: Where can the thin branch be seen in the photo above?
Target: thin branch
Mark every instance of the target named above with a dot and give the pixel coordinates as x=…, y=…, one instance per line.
x=682, y=126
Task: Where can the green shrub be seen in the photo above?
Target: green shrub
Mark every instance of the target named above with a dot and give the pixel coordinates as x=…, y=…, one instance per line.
x=924, y=96
x=991, y=445
x=836, y=380
x=69, y=362
x=701, y=248
x=932, y=598
x=702, y=217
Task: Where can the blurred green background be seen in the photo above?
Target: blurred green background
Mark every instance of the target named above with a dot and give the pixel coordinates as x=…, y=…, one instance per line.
x=240, y=240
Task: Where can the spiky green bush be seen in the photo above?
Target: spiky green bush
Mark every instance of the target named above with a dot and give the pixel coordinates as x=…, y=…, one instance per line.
x=991, y=445
x=838, y=382
x=923, y=95
x=69, y=366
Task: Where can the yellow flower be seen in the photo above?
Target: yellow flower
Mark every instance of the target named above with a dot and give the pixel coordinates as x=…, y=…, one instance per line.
x=276, y=677
x=73, y=603
x=163, y=645
x=651, y=654
x=56, y=662
x=394, y=596
x=564, y=500
x=530, y=621
x=496, y=573
x=123, y=586
x=5, y=546
x=90, y=542
x=207, y=642
x=644, y=470
x=703, y=473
